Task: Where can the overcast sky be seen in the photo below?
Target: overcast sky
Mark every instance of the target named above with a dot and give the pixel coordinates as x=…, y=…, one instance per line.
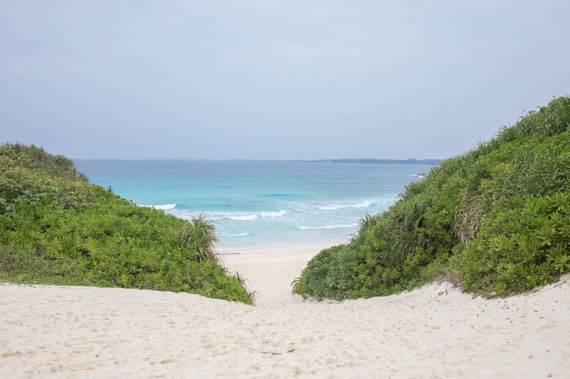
x=275, y=79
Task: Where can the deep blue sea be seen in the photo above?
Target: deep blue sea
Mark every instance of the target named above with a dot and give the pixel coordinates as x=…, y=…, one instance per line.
x=260, y=203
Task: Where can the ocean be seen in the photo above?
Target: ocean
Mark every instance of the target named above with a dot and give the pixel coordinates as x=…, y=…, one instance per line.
x=260, y=203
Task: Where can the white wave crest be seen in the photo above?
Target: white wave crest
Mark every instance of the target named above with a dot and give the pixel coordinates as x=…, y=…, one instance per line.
x=237, y=235
x=164, y=207
x=272, y=214
x=249, y=217
x=333, y=207
x=327, y=227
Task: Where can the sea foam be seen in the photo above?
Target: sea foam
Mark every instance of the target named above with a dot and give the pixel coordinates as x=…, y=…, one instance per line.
x=248, y=216
x=327, y=227
x=163, y=207
x=230, y=235
x=334, y=207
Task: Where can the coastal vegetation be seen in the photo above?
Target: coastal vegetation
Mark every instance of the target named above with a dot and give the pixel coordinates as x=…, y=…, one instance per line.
x=57, y=228
x=495, y=221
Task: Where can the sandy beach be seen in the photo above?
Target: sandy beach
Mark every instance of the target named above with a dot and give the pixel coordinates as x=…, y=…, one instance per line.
x=433, y=332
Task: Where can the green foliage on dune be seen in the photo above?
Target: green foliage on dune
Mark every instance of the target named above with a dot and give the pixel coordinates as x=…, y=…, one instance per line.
x=57, y=228
x=496, y=220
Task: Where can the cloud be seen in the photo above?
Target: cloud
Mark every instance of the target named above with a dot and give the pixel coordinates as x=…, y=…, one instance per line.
x=378, y=79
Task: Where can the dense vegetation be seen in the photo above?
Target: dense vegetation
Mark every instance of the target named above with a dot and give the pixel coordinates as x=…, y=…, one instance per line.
x=496, y=220
x=57, y=228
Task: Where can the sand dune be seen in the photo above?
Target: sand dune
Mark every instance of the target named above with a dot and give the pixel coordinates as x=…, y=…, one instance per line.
x=434, y=332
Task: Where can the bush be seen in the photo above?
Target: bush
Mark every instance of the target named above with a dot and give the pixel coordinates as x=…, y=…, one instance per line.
x=496, y=218
x=56, y=228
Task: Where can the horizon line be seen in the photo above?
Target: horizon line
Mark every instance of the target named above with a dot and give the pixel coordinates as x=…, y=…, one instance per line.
x=334, y=160
x=325, y=160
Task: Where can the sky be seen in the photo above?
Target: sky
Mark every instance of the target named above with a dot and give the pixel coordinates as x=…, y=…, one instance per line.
x=260, y=79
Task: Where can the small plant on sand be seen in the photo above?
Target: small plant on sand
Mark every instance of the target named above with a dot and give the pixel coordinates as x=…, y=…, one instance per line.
x=200, y=237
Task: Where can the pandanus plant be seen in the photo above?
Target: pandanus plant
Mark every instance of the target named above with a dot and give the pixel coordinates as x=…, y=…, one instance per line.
x=200, y=236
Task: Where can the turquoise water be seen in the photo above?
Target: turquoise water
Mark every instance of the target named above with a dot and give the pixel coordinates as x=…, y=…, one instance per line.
x=260, y=203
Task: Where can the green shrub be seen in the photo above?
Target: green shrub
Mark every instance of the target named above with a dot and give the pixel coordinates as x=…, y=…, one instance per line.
x=495, y=218
x=56, y=228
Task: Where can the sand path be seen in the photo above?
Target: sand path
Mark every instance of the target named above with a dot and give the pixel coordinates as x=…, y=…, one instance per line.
x=434, y=332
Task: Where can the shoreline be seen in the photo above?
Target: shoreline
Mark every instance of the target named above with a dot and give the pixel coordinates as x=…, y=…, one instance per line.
x=230, y=250
x=433, y=332
x=260, y=267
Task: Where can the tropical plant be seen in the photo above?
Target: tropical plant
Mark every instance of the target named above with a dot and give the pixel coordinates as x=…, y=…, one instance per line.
x=57, y=228
x=200, y=236
x=495, y=219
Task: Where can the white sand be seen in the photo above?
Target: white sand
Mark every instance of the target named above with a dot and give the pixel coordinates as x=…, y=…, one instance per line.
x=434, y=332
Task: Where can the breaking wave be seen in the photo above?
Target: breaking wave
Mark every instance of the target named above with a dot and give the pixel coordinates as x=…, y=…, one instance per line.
x=245, y=216
x=163, y=207
x=334, y=207
x=327, y=227
x=235, y=235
